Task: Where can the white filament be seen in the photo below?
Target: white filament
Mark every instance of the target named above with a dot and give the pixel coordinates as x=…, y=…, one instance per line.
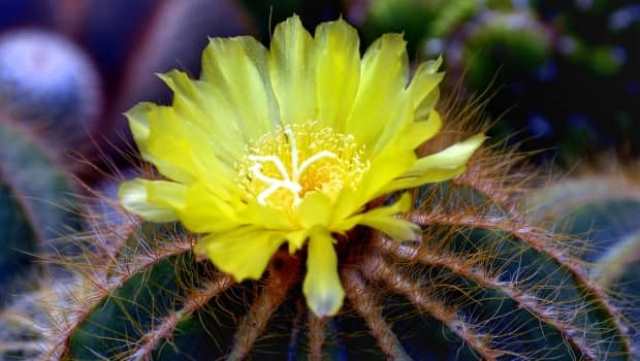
x=288, y=182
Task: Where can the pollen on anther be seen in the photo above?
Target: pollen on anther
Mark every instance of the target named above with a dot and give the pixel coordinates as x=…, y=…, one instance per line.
x=285, y=165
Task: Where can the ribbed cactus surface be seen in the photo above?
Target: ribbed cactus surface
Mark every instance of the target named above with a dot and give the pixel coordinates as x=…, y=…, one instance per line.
x=35, y=201
x=603, y=210
x=36, y=208
x=482, y=283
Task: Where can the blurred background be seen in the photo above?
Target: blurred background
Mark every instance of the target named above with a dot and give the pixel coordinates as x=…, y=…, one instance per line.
x=560, y=76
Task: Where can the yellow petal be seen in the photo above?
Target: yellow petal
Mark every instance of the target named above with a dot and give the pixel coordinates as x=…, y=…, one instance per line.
x=337, y=66
x=423, y=89
x=385, y=219
x=264, y=216
x=155, y=201
x=296, y=239
x=139, y=123
x=291, y=71
x=378, y=105
x=439, y=167
x=243, y=253
x=315, y=210
x=239, y=88
x=181, y=150
x=193, y=102
x=419, y=132
x=322, y=287
x=390, y=164
x=204, y=211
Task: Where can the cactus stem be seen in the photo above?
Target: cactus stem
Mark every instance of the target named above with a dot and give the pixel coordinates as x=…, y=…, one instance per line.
x=543, y=311
x=27, y=346
x=197, y=300
x=612, y=264
x=316, y=336
x=283, y=274
x=539, y=241
x=103, y=288
x=559, y=199
x=366, y=304
x=23, y=204
x=500, y=190
x=377, y=271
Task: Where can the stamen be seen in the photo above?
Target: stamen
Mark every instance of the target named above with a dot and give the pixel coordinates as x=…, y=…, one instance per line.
x=294, y=152
x=274, y=184
x=288, y=159
x=273, y=159
x=314, y=158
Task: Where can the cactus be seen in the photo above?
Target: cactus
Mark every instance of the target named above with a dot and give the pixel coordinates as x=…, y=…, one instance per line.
x=35, y=210
x=36, y=205
x=477, y=280
x=483, y=283
x=602, y=209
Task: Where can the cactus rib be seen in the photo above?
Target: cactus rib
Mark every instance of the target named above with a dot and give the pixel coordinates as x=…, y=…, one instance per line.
x=402, y=285
x=80, y=315
x=539, y=241
x=198, y=299
x=365, y=302
x=574, y=335
x=317, y=327
x=614, y=262
x=277, y=285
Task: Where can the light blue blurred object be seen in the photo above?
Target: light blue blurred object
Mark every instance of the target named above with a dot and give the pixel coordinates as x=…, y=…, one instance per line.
x=48, y=84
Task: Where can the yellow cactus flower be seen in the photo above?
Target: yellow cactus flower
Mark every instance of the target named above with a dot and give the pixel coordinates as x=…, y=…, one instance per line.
x=288, y=145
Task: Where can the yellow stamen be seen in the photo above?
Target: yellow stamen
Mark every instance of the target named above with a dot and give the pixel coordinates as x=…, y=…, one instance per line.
x=285, y=165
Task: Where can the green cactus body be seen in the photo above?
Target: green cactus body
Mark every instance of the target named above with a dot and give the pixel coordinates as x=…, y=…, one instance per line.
x=35, y=200
x=481, y=284
x=604, y=212
x=35, y=210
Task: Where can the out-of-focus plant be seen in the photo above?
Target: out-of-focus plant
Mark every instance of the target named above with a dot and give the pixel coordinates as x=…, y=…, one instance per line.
x=38, y=208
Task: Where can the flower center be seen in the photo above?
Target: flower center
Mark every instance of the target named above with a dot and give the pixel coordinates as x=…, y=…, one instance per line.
x=286, y=164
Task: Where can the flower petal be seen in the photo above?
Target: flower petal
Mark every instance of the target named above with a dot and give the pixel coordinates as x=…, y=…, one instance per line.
x=423, y=89
x=419, y=132
x=390, y=164
x=243, y=253
x=315, y=210
x=179, y=149
x=378, y=105
x=385, y=219
x=193, y=103
x=322, y=287
x=239, y=91
x=155, y=201
x=206, y=211
x=439, y=167
x=337, y=71
x=291, y=71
